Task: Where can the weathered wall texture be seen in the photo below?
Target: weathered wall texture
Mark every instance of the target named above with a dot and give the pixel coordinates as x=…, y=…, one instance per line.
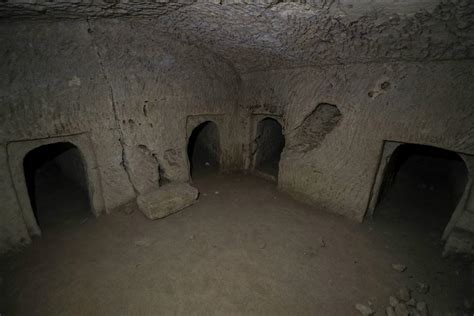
x=342, y=76
x=422, y=103
x=125, y=84
x=276, y=34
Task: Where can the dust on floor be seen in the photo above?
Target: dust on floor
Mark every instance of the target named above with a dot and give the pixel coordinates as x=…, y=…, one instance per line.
x=244, y=248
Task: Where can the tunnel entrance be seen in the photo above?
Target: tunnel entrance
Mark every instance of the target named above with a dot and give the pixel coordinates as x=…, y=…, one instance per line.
x=269, y=143
x=204, y=149
x=56, y=179
x=422, y=186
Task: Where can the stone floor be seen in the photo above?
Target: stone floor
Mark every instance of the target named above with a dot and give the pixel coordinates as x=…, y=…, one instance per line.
x=244, y=248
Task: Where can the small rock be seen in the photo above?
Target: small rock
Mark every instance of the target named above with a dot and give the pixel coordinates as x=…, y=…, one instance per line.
x=422, y=307
x=423, y=288
x=390, y=311
x=364, y=309
x=145, y=242
x=207, y=164
x=263, y=245
x=322, y=243
x=393, y=301
x=216, y=192
x=411, y=302
x=404, y=294
x=402, y=310
x=399, y=267
x=191, y=237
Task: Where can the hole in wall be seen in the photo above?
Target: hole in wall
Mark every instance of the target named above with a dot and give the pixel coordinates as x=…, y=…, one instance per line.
x=204, y=149
x=422, y=186
x=57, y=185
x=269, y=145
x=314, y=128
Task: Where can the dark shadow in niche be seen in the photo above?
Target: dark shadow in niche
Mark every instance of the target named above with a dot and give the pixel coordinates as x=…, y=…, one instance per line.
x=57, y=185
x=314, y=128
x=204, y=149
x=422, y=186
x=269, y=145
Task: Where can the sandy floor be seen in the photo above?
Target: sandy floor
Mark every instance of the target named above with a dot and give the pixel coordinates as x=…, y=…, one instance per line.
x=244, y=248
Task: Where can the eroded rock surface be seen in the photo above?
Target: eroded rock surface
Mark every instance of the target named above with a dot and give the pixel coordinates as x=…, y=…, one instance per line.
x=314, y=128
x=266, y=35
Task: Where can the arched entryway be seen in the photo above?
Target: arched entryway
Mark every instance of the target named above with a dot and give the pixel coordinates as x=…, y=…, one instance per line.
x=57, y=184
x=204, y=149
x=421, y=187
x=269, y=143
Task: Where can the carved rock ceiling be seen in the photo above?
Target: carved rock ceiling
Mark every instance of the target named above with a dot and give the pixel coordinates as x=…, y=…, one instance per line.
x=263, y=35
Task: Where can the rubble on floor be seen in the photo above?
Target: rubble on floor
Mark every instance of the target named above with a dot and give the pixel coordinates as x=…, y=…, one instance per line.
x=401, y=305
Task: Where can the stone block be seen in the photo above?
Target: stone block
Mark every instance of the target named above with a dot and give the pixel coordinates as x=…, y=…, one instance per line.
x=167, y=200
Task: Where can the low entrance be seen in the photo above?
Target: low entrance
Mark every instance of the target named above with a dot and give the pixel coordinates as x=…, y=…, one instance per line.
x=56, y=179
x=204, y=149
x=269, y=144
x=421, y=186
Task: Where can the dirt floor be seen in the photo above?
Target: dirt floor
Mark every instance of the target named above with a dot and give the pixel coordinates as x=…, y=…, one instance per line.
x=244, y=248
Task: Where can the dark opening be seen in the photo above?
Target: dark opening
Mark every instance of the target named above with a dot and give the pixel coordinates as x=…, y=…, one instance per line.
x=269, y=145
x=422, y=185
x=204, y=149
x=57, y=185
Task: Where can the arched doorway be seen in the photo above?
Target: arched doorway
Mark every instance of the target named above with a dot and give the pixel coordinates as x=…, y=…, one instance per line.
x=57, y=185
x=269, y=143
x=422, y=186
x=204, y=149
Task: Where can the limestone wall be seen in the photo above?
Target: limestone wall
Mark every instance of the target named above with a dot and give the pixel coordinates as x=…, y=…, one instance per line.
x=423, y=103
x=124, y=84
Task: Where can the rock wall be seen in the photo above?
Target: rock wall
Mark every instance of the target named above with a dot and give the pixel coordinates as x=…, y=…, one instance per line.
x=351, y=75
x=124, y=84
x=278, y=34
x=331, y=157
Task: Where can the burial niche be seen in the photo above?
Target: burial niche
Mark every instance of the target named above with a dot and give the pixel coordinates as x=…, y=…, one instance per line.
x=204, y=149
x=56, y=179
x=269, y=144
x=422, y=186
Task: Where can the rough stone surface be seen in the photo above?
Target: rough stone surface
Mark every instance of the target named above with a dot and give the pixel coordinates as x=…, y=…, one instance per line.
x=404, y=294
x=167, y=200
x=423, y=288
x=342, y=76
x=131, y=89
x=399, y=267
x=339, y=173
x=393, y=301
x=389, y=311
x=315, y=126
x=402, y=310
x=422, y=307
x=364, y=309
x=269, y=34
